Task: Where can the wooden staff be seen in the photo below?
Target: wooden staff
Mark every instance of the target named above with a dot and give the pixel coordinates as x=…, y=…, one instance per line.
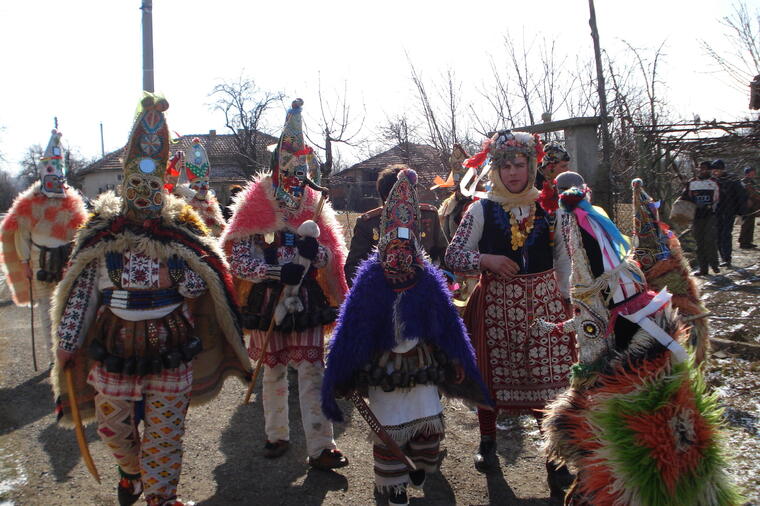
x=84, y=450
x=270, y=330
x=31, y=312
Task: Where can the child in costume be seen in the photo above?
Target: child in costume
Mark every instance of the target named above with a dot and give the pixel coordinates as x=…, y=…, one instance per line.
x=510, y=239
x=36, y=233
x=399, y=339
x=637, y=422
x=282, y=238
x=204, y=201
x=146, y=319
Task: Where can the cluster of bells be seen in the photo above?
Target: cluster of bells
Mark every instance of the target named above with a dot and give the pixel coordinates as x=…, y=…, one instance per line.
x=142, y=366
x=436, y=369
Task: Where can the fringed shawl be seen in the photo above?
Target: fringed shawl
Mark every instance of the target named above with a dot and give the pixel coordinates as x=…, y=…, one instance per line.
x=365, y=327
x=58, y=218
x=256, y=211
x=178, y=232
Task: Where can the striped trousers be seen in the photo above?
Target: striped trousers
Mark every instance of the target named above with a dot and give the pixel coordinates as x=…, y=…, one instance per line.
x=391, y=474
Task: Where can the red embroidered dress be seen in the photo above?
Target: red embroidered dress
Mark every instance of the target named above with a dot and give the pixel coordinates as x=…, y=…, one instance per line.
x=523, y=367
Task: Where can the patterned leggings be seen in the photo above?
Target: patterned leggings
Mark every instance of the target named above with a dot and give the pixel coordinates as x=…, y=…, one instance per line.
x=392, y=475
x=158, y=457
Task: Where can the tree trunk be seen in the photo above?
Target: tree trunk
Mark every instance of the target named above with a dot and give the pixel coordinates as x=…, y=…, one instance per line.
x=601, y=186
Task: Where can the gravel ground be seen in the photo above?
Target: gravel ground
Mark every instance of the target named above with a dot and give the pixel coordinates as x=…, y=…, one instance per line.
x=40, y=463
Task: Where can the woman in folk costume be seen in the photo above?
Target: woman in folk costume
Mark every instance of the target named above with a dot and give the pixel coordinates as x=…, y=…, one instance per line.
x=658, y=252
x=637, y=423
x=287, y=250
x=146, y=318
x=36, y=233
x=399, y=339
x=198, y=170
x=509, y=238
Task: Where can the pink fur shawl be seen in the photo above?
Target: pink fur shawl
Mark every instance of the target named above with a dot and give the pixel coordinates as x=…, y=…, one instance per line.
x=256, y=211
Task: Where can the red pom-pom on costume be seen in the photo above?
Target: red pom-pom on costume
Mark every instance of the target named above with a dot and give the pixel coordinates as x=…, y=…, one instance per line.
x=549, y=198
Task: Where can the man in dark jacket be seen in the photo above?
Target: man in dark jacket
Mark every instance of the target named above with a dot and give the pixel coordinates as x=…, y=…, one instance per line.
x=732, y=202
x=367, y=228
x=704, y=192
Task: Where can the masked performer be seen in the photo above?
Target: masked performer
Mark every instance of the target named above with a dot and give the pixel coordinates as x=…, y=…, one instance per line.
x=658, y=252
x=287, y=250
x=506, y=235
x=37, y=231
x=398, y=340
x=198, y=169
x=366, y=231
x=146, y=318
x=637, y=423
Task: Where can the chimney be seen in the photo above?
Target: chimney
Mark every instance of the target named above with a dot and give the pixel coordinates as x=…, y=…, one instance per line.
x=212, y=133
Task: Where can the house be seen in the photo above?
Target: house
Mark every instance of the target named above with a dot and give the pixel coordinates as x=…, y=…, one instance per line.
x=354, y=188
x=227, y=167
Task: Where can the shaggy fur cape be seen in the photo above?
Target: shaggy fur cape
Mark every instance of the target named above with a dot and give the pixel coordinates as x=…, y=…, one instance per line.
x=256, y=211
x=180, y=232
x=641, y=429
x=365, y=328
x=58, y=218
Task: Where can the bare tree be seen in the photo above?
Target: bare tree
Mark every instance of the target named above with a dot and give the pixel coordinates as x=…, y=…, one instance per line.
x=30, y=165
x=337, y=125
x=398, y=132
x=742, y=30
x=8, y=190
x=244, y=105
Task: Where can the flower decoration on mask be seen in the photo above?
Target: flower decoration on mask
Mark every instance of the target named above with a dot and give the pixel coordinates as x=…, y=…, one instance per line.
x=146, y=160
x=198, y=169
x=52, y=179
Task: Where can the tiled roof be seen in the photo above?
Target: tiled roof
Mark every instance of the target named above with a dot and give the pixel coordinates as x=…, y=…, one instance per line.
x=221, y=149
x=424, y=159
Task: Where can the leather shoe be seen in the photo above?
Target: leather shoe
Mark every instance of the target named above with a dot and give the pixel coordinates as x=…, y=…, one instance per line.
x=329, y=459
x=486, y=458
x=277, y=449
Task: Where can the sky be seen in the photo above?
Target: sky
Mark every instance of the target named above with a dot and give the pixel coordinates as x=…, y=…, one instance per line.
x=80, y=61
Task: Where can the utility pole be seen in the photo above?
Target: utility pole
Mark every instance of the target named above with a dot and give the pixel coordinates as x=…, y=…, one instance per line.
x=102, y=144
x=147, y=42
x=602, y=184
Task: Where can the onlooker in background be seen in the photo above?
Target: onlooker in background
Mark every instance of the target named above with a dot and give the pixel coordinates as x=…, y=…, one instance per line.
x=704, y=192
x=753, y=205
x=732, y=202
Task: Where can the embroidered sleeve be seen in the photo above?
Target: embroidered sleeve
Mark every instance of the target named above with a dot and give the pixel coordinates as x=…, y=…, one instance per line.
x=244, y=264
x=193, y=285
x=562, y=265
x=462, y=255
x=323, y=256
x=79, y=309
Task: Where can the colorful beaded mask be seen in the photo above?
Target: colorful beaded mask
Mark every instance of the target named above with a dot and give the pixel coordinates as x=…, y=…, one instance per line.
x=198, y=168
x=290, y=160
x=51, y=168
x=147, y=155
x=399, y=232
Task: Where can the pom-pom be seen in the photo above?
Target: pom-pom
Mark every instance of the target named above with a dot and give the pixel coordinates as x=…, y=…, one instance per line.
x=147, y=101
x=162, y=105
x=196, y=140
x=308, y=228
x=569, y=199
x=548, y=198
x=410, y=174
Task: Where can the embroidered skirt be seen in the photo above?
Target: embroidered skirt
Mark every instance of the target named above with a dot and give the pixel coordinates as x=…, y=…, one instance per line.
x=522, y=367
